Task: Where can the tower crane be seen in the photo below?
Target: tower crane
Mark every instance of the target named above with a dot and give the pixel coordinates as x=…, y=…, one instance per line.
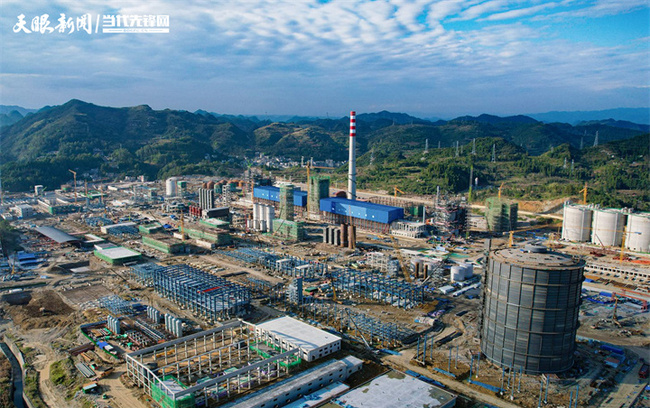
x=584, y=194
x=397, y=190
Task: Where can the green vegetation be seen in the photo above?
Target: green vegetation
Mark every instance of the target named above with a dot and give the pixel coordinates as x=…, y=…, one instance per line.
x=30, y=388
x=63, y=372
x=8, y=238
x=533, y=159
x=5, y=383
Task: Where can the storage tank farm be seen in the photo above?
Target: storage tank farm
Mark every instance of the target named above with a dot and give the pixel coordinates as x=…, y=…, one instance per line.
x=530, y=309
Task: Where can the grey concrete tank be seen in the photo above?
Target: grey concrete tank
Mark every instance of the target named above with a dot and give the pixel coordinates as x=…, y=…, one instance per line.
x=530, y=309
x=576, y=223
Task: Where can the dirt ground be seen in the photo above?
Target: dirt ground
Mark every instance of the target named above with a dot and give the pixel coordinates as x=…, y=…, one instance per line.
x=45, y=309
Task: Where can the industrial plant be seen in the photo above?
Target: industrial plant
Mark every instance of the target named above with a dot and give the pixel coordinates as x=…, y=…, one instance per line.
x=272, y=291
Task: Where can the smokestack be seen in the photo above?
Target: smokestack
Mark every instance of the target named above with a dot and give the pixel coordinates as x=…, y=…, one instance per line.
x=352, y=161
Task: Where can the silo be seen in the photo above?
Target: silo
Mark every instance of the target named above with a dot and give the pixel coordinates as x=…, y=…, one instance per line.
x=638, y=232
x=607, y=227
x=171, y=189
x=269, y=215
x=576, y=223
x=530, y=309
x=256, y=211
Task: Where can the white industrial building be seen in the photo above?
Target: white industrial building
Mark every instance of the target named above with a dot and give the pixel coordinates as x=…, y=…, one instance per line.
x=288, y=333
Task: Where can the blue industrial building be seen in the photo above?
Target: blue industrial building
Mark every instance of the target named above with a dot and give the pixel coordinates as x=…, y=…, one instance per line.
x=272, y=193
x=383, y=214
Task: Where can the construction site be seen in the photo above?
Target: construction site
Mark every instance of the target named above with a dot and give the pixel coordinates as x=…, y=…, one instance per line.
x=261, y=292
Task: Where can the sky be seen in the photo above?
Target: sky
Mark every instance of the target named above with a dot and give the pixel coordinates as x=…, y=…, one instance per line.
x=430, y=58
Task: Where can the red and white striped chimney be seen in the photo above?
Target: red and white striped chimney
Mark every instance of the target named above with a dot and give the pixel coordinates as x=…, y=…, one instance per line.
x=352, y=161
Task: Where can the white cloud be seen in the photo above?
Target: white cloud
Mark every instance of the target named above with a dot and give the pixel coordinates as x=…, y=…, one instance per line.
x=283, y=49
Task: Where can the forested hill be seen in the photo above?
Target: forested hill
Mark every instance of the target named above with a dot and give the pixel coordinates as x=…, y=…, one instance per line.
x=158, y=143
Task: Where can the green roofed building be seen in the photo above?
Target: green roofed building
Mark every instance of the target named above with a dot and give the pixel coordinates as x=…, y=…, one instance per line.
x=152, y=228
x=219, y=237
x=164, y=243
x=117, y=255
x=215, y=223
x=286, y=229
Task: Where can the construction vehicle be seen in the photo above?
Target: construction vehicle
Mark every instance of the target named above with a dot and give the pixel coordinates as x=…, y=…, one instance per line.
x=500, y=188
x=397, y=190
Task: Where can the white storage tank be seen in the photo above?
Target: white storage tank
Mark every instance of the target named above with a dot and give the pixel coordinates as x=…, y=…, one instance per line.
x=256, y=211
x=269, y=216
x=607, y=227
x=638, y=232
x=576, y=225
x=171, y=188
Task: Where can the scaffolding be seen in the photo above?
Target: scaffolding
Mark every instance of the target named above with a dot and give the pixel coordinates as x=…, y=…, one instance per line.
x=373, y=286
x=212, y=297
x=208, y=367
x=449, y=218
x=501, y=215
x=384, y=262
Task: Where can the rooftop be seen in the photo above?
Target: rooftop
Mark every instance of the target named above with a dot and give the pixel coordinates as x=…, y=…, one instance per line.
x=56, y=235
x=396, y=390
x=545, y=260
x=118, y=252
x=299, y=334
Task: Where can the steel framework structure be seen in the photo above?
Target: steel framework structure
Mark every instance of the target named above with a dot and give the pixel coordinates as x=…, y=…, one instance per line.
x=374, y=286
x=208, y=363
x=356, y=324
x=206, y=295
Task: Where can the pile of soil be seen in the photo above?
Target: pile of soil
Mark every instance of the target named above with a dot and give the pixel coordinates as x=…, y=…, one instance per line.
x=45, y=309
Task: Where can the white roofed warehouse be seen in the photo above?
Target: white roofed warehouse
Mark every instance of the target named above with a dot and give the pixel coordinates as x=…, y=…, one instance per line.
x=287, y=332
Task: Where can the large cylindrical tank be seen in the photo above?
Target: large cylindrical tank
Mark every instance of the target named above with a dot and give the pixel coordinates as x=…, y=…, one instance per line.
x=171, y=187
x=269, y=213
x=576, y=223
x=607, y=227
x=530, y=313
x=638, y=232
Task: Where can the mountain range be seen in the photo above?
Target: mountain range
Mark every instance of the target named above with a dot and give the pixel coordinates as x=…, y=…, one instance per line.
x=140, y=140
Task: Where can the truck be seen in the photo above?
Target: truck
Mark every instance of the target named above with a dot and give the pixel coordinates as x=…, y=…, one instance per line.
x=643, y=371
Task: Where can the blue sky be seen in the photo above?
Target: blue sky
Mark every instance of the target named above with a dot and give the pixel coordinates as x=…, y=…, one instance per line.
x=429, y=58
